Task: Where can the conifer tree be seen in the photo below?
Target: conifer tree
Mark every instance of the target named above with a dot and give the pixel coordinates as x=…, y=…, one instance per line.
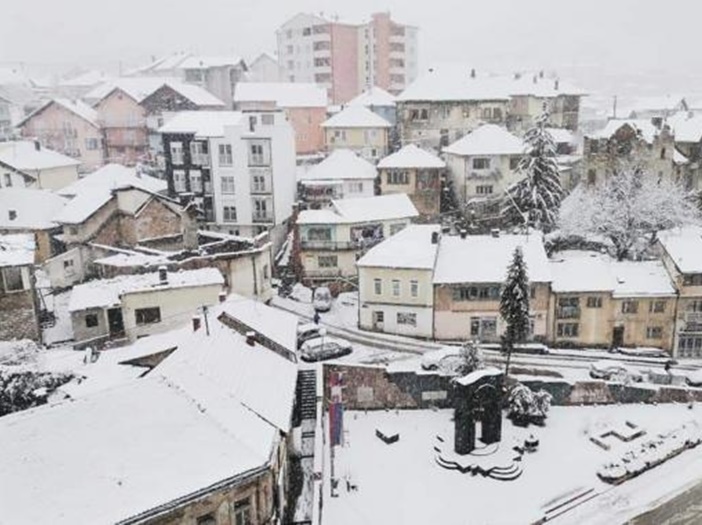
x=514, y=304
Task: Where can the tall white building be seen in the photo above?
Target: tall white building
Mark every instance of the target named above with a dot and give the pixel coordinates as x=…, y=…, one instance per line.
x=239, y=168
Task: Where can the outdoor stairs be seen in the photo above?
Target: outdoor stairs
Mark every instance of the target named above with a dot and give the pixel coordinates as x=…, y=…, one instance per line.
x=567, y=503
x=307, y=394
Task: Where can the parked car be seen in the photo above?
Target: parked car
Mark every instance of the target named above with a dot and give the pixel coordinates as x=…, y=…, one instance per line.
x=306, y=332
x=323, y=348
x=322, y=299
x=610, y=369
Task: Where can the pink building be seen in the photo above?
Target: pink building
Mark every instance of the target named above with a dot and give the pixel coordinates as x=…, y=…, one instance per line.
x=348, y=58
x=304, y=104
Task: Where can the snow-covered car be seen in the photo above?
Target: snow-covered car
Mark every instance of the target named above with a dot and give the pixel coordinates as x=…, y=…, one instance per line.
x=306, y=332
x=323, y=348
x=610, y=369
x=694, y=378
x=433, y=360
x=322, y=299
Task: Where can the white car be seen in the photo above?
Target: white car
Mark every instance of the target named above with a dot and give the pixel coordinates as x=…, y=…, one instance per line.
x=322, y=299
x=323, y=348
x=307, y=331
x=610, y=369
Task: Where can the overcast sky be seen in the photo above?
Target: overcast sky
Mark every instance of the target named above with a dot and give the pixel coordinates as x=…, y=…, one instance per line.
x=497, y=34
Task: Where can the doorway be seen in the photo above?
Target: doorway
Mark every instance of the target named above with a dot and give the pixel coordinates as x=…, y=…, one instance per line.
x=115, y=322
x=618, y=336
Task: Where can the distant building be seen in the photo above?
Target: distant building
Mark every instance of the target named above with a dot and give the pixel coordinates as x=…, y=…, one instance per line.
x=75, y=87
x=348, y=58
x=133, y=306
x=28, y=164
x=239, y=168
x=343, y=174
x=70, y=127
x=7, y=110
x=264, y=68
x=418, y=174
x=378, y=101
x=19, y=316
x=360, y=130
x=687, y=157
x=305, y=106
x=332, y=239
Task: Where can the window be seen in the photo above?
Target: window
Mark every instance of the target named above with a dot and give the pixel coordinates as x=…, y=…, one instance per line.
x=475, y=326
x=68, y=267
x=229, y=213
x=8, y=180
x=532, y=291
x=484, y=189
x=179, y=181
x=568, y=308
x=306, y=31
x=396, y=288
x=594, y=302
x=567, y=329
x=377, y=286
x=265, y=272
x=259, y=154
x=630, y=307
x=242, y=512
x=654, y=332
x=414, y=288
x=207, y=519
x=258, y=183
x=690, y=346
x=396, y=228
x=12, y=279
x=327, y=261
x=91, y=320
x=477, y=293
x=355, y=187
x=407, y=318
x=147, y=315
x=92, y=144
x=514, y=163
x=176, y=153
x=227, y=185
x=12, y=214
x=225, y=155
x=481, y=164
x=195, y=181
x=398, y=177
x=692, y=279
x=657, y=307
x=260, y=209
x=694, y=306
x=199, y=154
x=319, y=234
x=267, y=120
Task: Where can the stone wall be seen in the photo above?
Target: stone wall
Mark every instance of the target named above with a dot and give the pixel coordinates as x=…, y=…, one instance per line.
x=18, y=318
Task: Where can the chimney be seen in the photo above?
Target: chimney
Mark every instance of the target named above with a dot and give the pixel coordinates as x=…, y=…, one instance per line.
x=464, y=233
x=495, y=232
x=541, y=74
x=555, y=85
x=472, y=73
x=435, y=237
x=196, y=323
x=37, y=145
x=222, y=296
x=251, y=338
x=162, y=275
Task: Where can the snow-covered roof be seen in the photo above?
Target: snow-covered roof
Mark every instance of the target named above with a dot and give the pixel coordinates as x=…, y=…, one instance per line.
x=641, y=279
x=477, y=375
x=679, y=158
x=202, y=123
x=216, y=404
x=561, y=136
x=361, y=210
x=103, y=293
x=77, y=107
x=206, y=62
x=453, y=82
x=373, y=97
x=284, y=94
x=657, y=103
x=33, y=209
x=409, y=248
x=137, y=88
x=341, y=164
x=196, y=94
x=645, y=127
x=356, y=117
x=411, y=156
x=688, y=129
x=485, y=259
x=278, y=325
x=17, y=249
x=24, y=156
x=87, y=79
x=684, y=246
x=488, y=139
x=94, y=190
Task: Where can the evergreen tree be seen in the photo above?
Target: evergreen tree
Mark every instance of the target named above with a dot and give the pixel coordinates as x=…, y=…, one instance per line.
x=514, y=304
x=535, y=200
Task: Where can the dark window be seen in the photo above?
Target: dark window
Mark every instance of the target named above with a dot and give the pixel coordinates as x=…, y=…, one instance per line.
x=207, y=519
x=630, y=307
x=91, y=320
x=12, y=279
x=692, y=279
x=481, y=164
x=242, y=512
x=514, y=163
x=567, y=329
x=657, y=307
x=594, y=302
x=654, y=332
x=147, y=315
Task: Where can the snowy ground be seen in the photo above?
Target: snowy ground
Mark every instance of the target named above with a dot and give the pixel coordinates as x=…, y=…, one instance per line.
x=400, y=483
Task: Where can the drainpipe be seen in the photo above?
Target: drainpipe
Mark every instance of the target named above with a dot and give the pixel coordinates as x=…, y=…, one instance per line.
x=255, y=277
x=673, y=347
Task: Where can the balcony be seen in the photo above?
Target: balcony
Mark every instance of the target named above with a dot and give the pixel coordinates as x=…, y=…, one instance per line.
x=568, y=312
x=263, y=218
x=327, y=245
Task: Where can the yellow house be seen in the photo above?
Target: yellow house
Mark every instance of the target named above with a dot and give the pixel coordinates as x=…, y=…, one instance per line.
x=483, y=164
x=600, y=302
x=395, y=283
x=331, y=240
x=359, y=129
x=417, y=173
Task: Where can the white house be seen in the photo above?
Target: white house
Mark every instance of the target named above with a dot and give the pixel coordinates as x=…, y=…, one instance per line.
x=332, y=239
x=396, y=294
x=343, y=174
x=28, y=164
x=359, y=129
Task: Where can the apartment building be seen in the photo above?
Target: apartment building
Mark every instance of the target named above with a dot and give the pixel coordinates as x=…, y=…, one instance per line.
x=239, y=168
x=418, y=174
x=331, y=240
x=360, y=130
x=348, y=58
